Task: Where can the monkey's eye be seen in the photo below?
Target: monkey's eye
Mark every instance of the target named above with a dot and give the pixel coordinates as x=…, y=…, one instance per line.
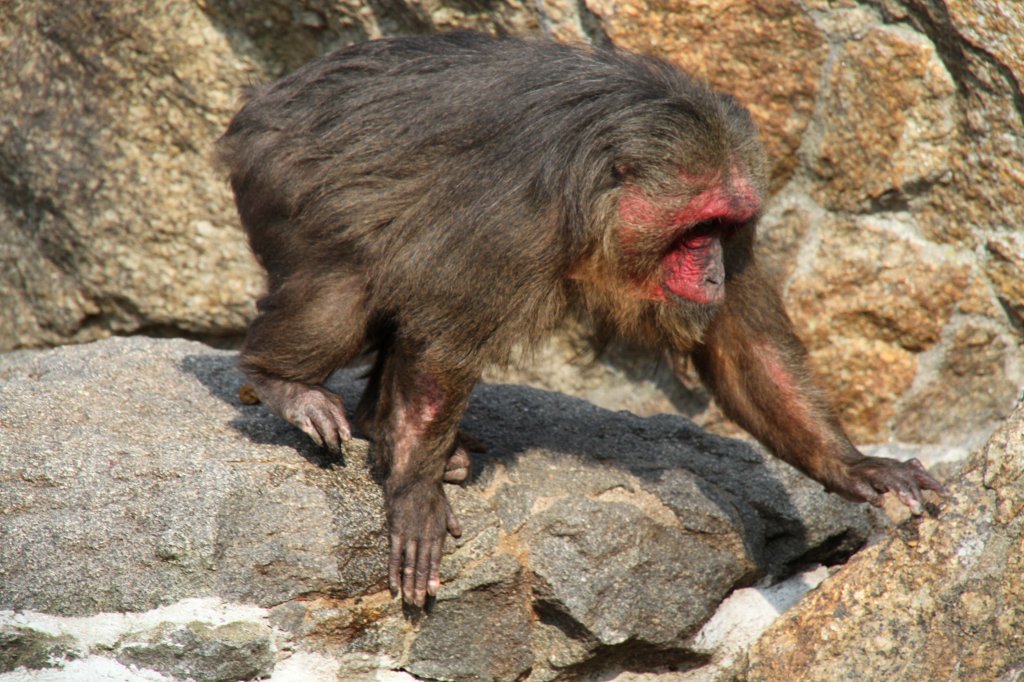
x=621, y=171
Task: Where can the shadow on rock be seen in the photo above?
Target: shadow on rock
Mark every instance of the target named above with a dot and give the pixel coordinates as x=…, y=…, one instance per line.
x=751, y=491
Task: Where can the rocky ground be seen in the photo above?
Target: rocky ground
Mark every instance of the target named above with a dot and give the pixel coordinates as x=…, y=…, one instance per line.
x=154, y=524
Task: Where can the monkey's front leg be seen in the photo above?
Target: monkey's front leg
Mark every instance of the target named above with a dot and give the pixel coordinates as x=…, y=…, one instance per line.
x=417, y=428
x=458, y=467
x=757, y=369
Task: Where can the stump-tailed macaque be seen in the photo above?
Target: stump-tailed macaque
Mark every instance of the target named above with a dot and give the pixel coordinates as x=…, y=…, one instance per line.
x=440, y=200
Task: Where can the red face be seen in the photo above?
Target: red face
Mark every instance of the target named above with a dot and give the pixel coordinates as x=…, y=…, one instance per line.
x=692, y=262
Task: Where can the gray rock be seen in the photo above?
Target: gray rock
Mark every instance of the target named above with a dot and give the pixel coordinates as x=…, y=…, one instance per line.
x=496, y=610
x=23, y=647
x=226, y=653
x=133, y=477
x=112, y=216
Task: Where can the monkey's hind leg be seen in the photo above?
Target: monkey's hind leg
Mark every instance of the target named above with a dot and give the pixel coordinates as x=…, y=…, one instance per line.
x=422, y=399
x=459, y=463
x=306, y=328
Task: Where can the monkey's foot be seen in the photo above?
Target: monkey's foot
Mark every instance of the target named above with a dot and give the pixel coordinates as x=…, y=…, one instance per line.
x=321, y=415
x=419, y=517
x=318, y=412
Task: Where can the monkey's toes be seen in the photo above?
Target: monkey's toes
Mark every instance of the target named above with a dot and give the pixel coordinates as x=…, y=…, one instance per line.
x=458, y=466
x=875, y=476
x=910, y=483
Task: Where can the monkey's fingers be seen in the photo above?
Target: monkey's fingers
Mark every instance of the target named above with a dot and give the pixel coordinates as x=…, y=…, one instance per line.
x=434, y=581
x=424, y=557
x=395, y=551
x=330, y=436
x=910, y=496
x=321, y=415
x=923, y=478
x=306, y=425
x=910, y=489
x=875, y=476
x=860, y=491
x=409, y=572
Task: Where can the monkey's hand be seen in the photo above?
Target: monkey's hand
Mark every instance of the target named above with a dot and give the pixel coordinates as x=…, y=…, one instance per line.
x=867, y=479
x=419, y=517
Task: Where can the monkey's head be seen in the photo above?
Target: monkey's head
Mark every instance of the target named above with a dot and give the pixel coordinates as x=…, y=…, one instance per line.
x=678, y=177
x=667, y=253
x=677, y=220
x=673, y=245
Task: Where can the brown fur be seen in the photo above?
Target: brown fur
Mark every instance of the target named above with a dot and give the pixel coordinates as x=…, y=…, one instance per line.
x=443, y=200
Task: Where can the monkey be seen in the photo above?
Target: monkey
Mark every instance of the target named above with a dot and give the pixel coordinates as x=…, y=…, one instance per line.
x=438, y=201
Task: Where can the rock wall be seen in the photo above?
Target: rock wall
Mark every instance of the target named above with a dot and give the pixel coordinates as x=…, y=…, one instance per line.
x=896, y=129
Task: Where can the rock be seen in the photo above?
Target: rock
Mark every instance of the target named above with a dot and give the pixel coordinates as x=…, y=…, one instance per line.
x=741, y=619
x=900, y=330
x=968, y=388
x=134, y=478
x=776, y=54
x=25, y=647
x=496, y=610
x=284, y=34
x=991, y=25
x=197, y=639
x=870, y=301
x=112, y=217
x=939, y=598
x=988, y=150
x=888, y=123
x=1005, y=267
x=873, y=280
x=113, y=460
x=226, y=653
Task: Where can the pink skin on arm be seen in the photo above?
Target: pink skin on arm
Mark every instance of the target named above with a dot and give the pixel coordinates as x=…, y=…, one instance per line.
x=792, y=396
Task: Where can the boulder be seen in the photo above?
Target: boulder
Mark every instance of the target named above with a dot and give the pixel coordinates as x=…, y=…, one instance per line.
x=939, y=598
x=135, y=482
x=112, y=215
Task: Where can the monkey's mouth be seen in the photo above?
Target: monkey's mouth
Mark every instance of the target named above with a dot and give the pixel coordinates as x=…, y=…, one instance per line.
x=694, y=267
